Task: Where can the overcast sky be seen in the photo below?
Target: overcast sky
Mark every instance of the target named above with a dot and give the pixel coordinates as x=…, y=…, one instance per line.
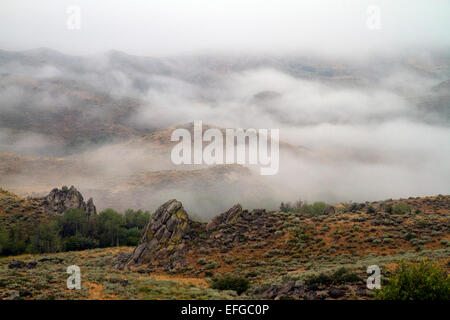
x=168, y=27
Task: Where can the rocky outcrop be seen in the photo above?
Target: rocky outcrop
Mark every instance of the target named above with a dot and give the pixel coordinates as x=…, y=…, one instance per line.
x=165, y=237
x=18, y=264
x=227, y=217
x=59, y=201
x=90, y=207
x=170, y=234
x=236, y=226
x=329, y=210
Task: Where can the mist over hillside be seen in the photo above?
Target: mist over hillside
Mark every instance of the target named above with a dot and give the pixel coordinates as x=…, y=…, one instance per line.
x=365, y=129
x=225, y=150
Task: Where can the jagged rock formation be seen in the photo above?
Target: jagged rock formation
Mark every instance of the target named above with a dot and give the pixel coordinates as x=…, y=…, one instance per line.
x=59, y=201
x=237, y=226
x=170, y=233
x=165, y=237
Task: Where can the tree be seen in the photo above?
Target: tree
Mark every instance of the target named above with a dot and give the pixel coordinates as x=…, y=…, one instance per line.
x=138, y=219
x=111, y=228
x=132, y=237
x=3, y=240
x=79, y=242
x=73, y=222
x=18, y=240
x=46, y=237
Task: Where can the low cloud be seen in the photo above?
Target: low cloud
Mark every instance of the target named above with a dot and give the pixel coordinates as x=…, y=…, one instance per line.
x=362, y=136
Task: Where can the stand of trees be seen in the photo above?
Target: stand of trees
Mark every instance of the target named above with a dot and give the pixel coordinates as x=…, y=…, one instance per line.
x=75, y=231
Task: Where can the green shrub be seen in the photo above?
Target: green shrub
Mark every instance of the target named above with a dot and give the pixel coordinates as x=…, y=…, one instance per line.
x=370, y=209
x=401, y=208
x=237, y=284
x=132, y=236
x=78, y=242
x=417, y=281
x=341, y=276
x=446, y=243
x=211, y=265
x=317, y=208
x=410, y=235
x=278, y=233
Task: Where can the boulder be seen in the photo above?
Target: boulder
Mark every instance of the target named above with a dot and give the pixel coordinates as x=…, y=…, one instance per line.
x=59, y=201
x=18, y=264
x=164, y=237
x=289, y=290
x=227, y=217
x=329, y=210
x=335, y=292
x=90, y=207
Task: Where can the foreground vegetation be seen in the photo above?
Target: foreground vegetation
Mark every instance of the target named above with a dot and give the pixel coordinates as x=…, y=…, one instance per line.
x=44, y=277
x=417, y=281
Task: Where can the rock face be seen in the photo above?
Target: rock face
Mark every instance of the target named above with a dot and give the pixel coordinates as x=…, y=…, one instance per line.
x=170, y=234
x=165, y=237
x=227, y=217
x=237, y=226
x=18, y=264
x=59, y=201
x=329, y=210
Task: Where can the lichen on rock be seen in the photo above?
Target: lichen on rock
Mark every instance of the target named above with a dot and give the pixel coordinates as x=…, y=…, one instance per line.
x=171, y=234
x=164, y=238
x=230, y=216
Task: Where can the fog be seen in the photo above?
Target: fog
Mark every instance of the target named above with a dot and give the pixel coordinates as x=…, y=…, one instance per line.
x=354, y=135
x=171, y=27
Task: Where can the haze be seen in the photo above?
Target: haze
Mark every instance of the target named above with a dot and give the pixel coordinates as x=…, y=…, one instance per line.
x=363, y=114
x=172, y=27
